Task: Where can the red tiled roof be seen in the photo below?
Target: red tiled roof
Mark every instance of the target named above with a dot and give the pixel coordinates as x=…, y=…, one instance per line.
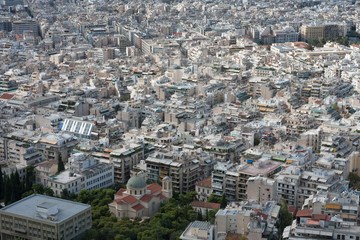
x=207, y=205
x=49, y=163
x=154, y=187
x=146, y=198
x=120, y=192
x=128, y=199
x=137, y=207
x=304, y=213
x=204, y=183
x=160, y=196
x=7, y=96
x=321, y=217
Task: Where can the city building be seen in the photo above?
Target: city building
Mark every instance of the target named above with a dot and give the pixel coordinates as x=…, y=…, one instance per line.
x=44, y=217
x=139, y=199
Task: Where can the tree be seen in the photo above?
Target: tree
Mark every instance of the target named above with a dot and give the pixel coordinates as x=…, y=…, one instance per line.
x=353, y=179
x=7, y=190
x=213, y=199
x=1, y=184
x=30, y=177
x=48, y=191
x=199, y=216
x=38, y=188
x=256, y=141
x=212, y=214
x=223, y=201
x=65, y=194
x=61, y=166
x=309, y=47
x=285, y=218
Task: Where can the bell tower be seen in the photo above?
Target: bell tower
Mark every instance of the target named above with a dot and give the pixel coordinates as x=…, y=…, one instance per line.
x=167, y=187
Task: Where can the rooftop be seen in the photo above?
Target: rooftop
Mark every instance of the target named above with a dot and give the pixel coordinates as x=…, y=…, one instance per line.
x=27, y=207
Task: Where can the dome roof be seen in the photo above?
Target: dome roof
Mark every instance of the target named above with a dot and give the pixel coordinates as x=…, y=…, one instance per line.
x=136, y=182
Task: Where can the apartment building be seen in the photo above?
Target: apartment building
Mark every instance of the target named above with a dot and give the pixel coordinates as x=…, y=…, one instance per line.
x=264, y=167
x=72, y=182
x=198, y=230
x=55, y=146
x=44, y=217
x=261, y=189
x=232, y=180
x=97, y=175
x=297, y=124
x=345, y=205
x=203, y=189
x=218, y=178
x=226, y=150
x=287, y=186
x=245, y=218
x=22, y=26
x=312, y=32
x=184, y=171
x=130, y=116
x=319, y=179
x=124, y=159
x=44, y=170
x=22, y=153
x=320, y=226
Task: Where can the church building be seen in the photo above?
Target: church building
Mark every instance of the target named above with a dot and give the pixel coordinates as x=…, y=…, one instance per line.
x=140, y=199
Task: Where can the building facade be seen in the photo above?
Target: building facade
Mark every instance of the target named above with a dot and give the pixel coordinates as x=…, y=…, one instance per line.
x=48, y=218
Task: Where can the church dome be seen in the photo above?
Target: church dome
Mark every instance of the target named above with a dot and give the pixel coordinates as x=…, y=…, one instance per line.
x=136, y=182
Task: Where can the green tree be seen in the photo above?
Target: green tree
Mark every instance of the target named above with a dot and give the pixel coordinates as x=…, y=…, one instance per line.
x=199, y=216
x=213, y=199
x=65, y=194
x=30, y=177
x=1, y=184
x=223, y=201
x=187, y=198
x=48, y=191
x=353, y=179
x=38, y=188
x=309, y=47
x=212, y=214
x=256, y=141
x=285, y=217
x=28, y=193
x=7, y=190
x=61, y=166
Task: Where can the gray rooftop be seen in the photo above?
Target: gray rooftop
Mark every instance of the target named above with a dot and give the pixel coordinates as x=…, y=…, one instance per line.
x=28, y=207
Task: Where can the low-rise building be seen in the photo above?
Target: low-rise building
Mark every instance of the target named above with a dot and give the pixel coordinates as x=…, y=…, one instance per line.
x=261, y=189
x=198, y=230
x=44, y=217
x=140, y=199
x=44, y=170
x=203, y=189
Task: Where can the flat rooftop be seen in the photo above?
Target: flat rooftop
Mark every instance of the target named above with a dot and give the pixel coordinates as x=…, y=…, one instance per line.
x=65, y=177
x=254, y=170
x=27, y=207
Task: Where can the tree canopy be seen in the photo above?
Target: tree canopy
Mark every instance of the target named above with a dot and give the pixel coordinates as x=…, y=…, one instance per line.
x=167, y=224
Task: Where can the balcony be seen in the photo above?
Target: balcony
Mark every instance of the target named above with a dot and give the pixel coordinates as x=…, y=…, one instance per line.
x=217, y=185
